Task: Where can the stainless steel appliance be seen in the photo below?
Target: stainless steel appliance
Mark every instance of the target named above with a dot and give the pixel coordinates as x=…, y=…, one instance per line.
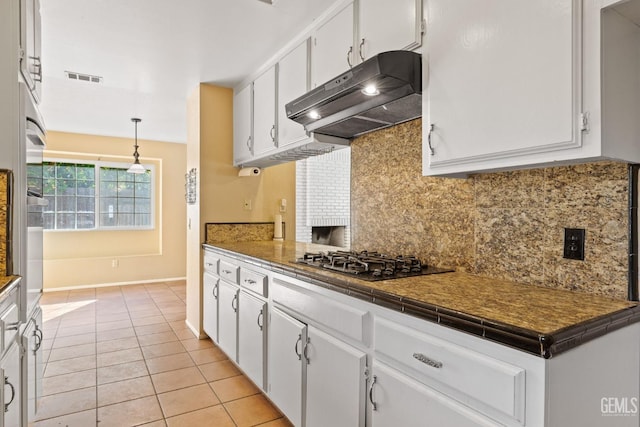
x=370, y=266
x=382, y=91
x=31, y=202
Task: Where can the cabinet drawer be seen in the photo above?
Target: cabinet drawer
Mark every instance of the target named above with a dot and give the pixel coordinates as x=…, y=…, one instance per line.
x=340, y=317
x=229, y=272
x=8, y=325
x=253, y=281
x=211, y=262
x=456, y=367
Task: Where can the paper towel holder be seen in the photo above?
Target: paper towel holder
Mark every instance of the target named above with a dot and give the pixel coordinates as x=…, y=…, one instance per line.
x=249, y=171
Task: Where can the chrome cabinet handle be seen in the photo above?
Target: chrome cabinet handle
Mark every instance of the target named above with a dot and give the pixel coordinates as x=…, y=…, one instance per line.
x=431, y=126
x=360, y=50
x=37, y=333
x=249, y=144
x=214, y=291
x=374, y=405
x=272, y=133
x=306, y=350
x=260, y=315
x=37, y=72
x=250, y=281
x=208, y=264
x=13, y=394
x=226, y=271
x=234, y=303
x=349, y=56
x=295, y=348
x=427, y=360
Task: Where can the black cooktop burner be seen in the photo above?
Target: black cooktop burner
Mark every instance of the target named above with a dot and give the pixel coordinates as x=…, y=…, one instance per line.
x=369, y=265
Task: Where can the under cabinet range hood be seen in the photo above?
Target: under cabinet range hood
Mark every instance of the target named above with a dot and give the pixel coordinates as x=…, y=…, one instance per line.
x=382, y=91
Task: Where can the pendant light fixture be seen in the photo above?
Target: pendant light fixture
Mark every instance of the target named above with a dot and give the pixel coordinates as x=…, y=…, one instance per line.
x=136, y=167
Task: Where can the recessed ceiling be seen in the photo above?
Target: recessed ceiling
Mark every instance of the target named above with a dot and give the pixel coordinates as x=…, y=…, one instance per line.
x=151, y=54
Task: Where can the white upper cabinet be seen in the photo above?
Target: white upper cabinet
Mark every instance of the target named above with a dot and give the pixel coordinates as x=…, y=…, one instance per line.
x=531, y=85
x=293, y=82
x=500, y=87
x=31, y=52
x=333, y=50
x=242, y=125
x=389, y=25
x=264, y=113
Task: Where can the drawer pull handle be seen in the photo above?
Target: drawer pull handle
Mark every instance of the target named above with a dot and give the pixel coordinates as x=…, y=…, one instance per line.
x=13, y=394
x=295, y=348
x=374, y=405
x=214, y=291
x=250, y=281
x=260, y=315
x=209, y=264
x=226, y=271
x=427, y=361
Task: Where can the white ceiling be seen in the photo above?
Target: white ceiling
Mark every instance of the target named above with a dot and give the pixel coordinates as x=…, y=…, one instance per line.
x=152, y=54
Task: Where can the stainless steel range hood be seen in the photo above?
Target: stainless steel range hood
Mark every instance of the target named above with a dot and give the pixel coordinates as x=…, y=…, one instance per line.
x=381, y=92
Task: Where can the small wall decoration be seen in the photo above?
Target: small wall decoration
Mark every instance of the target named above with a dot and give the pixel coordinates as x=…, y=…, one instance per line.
x=190, y=186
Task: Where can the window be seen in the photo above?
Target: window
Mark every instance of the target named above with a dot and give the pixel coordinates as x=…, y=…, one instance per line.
x=86, y=196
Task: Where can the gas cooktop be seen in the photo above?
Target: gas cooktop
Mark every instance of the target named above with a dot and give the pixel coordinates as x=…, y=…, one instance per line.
x=369, y=266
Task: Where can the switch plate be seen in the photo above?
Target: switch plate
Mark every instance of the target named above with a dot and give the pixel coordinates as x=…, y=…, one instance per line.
x=574, y=243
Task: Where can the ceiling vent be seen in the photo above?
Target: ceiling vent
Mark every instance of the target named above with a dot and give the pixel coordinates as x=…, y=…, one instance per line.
x=72, y=75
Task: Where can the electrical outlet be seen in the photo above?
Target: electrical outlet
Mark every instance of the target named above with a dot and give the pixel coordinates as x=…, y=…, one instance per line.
x=247, y=205
x=574, y=243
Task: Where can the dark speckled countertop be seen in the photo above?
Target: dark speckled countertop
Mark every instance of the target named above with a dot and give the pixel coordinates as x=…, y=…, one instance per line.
x=7, y=283
x=535, y=319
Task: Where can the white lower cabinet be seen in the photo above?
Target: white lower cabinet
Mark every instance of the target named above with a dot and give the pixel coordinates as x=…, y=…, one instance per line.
x=210, y=306
x=32, y=337
x=286, y=370
x=398, y=400
x=314, y=378
x=252, y=336
x=336, y=382
x=10, y=396
x=228, y=319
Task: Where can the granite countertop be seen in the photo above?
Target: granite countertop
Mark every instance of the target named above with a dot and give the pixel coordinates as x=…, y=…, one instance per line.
x=535, y=319
x=7, y=283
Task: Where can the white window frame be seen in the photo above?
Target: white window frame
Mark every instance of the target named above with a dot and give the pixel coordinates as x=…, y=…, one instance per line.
x=97, y=165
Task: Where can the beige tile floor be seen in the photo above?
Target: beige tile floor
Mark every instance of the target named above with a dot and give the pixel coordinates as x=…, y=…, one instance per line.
x=123, y=356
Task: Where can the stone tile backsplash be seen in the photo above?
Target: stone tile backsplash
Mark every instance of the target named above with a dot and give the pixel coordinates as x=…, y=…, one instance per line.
x=4, y=211
x=507, y=225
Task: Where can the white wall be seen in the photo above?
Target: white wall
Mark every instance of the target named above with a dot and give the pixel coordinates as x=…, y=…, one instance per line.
x=323, y=195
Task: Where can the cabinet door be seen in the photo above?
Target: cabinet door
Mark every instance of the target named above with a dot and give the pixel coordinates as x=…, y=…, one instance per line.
x=286, y=369
x=30, y=64
x=386, y=25
x=264, y=113
x=335, y=382
x=252, y=337
x=293, y=78
x=503, y=88
x=242, y=143
x=333, y=51
x=33, y=367
x=399, y=400
x=11, y=397
x=228, y=319
x=210, y=306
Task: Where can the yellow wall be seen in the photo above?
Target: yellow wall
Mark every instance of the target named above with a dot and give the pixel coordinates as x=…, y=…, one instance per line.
x=81, y=258
x=221, y=193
